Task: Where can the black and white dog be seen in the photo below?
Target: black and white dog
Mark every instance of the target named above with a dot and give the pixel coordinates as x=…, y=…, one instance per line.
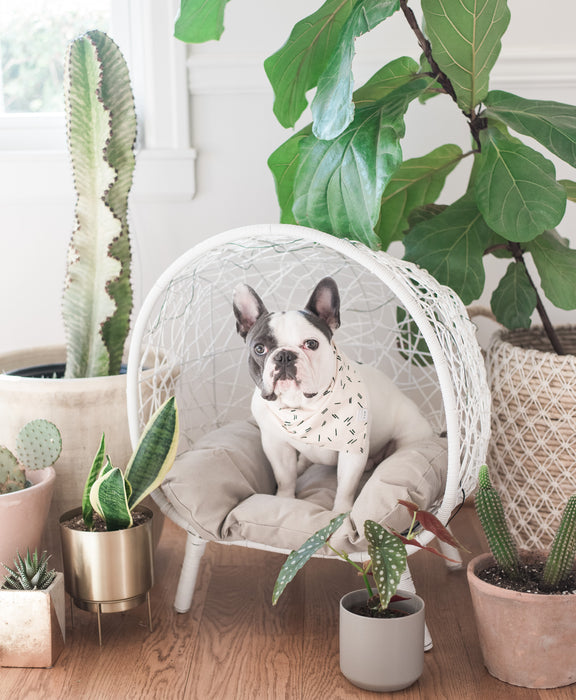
x=312, y=403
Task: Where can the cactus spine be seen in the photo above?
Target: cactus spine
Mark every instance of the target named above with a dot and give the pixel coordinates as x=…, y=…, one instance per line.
x=560, y=562
x=491, y=514
x=30, y=574
x=38, y=445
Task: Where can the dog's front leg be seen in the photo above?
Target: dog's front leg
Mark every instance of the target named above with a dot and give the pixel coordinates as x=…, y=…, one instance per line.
x=284, y=461
x=350, y=470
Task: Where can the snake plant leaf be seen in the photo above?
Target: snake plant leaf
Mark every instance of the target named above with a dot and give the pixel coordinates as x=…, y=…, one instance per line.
x=297, y=558
x=332, y=106
x=155, y=453
x=451, y=246
x=94, y=473
x=388, y=556
x=553, y=124
x=516, y=188
x=556, y=265
x=416, y=182
x=109, y=498
x=296, y=67
x=340, y=183
x=466, y=40
x=514, y=299
x=199, y=21
x=570, y=188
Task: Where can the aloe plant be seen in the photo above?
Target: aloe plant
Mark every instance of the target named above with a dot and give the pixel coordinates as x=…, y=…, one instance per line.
x=345, y=173
x=30, y=573
x=560, y=562
x=101, y=128
x=113, y=494
x=386, y=548
x=38, y=445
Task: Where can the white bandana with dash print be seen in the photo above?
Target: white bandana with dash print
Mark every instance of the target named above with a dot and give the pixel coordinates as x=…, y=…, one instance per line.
x=340, y=422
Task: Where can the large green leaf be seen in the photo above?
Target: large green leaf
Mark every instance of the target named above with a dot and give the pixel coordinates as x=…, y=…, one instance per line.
x=390, y=77
x=415, y=183
x=332, y=107
x=451, y=245
x=297, y=66
x=284, y=166
x=388, y=556
x=109, y=498
x=298, y=557
x=465, y=37
x=200, y=20
x=556, y=265
x=340, y=183
x=514, y=299
x=570, y=188
x=553, y=124
x=516, y=188
x=155, y=453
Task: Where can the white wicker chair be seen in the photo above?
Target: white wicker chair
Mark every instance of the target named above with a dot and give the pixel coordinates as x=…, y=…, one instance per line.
x=395, y=316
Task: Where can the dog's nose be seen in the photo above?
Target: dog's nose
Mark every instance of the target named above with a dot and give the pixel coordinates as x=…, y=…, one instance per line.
x=283, y=358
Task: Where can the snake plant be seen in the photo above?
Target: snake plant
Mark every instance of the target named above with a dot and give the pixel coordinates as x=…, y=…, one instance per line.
x=560, y=562
x=386, y=549
x=113, y=494
x=101, y=130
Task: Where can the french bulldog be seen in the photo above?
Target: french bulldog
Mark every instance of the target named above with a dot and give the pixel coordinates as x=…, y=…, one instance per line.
x=313, y=404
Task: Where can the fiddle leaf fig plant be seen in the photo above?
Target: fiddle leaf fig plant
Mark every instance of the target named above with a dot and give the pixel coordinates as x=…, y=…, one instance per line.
x=345, y=173
x=386, y=548
x=101, y=127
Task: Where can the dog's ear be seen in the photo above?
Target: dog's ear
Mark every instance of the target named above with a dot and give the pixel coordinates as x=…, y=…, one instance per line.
x=248, y=308
x=325, y=302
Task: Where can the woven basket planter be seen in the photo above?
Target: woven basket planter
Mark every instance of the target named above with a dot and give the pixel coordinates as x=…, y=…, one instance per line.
x=532, y=453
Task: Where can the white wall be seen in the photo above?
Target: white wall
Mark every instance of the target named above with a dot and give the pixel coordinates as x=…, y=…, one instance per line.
x=233, y=130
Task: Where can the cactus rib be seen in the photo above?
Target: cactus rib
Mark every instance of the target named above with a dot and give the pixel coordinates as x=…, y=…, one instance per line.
x=560, y=561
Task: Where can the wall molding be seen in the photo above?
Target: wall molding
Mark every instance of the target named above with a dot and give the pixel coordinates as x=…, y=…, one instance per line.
x=243, y=73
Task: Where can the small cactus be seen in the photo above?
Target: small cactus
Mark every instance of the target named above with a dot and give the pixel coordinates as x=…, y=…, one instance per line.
x=29, y=574
x=560, y=561
x=491, y=514
x=38, y=445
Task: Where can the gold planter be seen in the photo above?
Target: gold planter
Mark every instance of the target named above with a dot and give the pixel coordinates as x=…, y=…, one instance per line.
x=108, y=571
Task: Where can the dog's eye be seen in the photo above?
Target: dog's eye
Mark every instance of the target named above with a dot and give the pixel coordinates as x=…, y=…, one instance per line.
x=311, y=344
x=260, y=349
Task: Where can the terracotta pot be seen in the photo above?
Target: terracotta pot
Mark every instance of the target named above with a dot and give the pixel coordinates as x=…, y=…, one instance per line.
x=82, y=409
x=32, y=626
x=527, y=639
x=23, y=515
x=382, y=654
x=108, y=571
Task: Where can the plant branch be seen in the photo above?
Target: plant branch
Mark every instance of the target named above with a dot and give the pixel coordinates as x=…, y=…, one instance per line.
x=518, y=254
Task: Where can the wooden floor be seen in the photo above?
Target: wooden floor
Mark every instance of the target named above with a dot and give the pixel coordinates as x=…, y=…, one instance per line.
x=233, y=645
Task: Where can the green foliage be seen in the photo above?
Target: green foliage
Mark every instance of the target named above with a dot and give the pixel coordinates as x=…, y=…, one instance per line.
x=101, y=122
x=29, y=574
x=114, y=495
x=386, y=549
x=560, y=562
x=38, y=445
x=345, y=173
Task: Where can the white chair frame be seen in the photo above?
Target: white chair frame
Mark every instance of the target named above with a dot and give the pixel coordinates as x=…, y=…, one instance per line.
x=159, y=351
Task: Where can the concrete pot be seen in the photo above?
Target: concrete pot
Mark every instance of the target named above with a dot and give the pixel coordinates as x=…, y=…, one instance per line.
x=32, y=626
x=23, y=515
x=527, y=639
x=382, y=654
x=82, y=409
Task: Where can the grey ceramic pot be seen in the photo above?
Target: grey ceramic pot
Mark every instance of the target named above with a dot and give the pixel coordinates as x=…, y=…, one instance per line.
x=382, y=654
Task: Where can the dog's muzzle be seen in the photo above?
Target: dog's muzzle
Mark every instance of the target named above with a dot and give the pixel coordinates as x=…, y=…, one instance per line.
x=285, y=364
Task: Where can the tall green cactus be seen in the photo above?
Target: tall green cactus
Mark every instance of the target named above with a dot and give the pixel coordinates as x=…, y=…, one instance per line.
x=560, y=561
x=491, y=514
x=101, y=127
x=38, y=445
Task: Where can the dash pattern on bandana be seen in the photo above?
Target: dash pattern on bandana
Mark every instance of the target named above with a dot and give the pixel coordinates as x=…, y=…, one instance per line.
x=340, y=422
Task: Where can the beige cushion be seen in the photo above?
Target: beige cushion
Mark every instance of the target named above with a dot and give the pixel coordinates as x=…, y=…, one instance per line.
x=225, y=488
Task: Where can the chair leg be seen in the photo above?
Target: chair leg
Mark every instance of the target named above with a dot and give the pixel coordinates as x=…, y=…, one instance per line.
x=449, y=551
x=195, y=547
x=407, y=584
